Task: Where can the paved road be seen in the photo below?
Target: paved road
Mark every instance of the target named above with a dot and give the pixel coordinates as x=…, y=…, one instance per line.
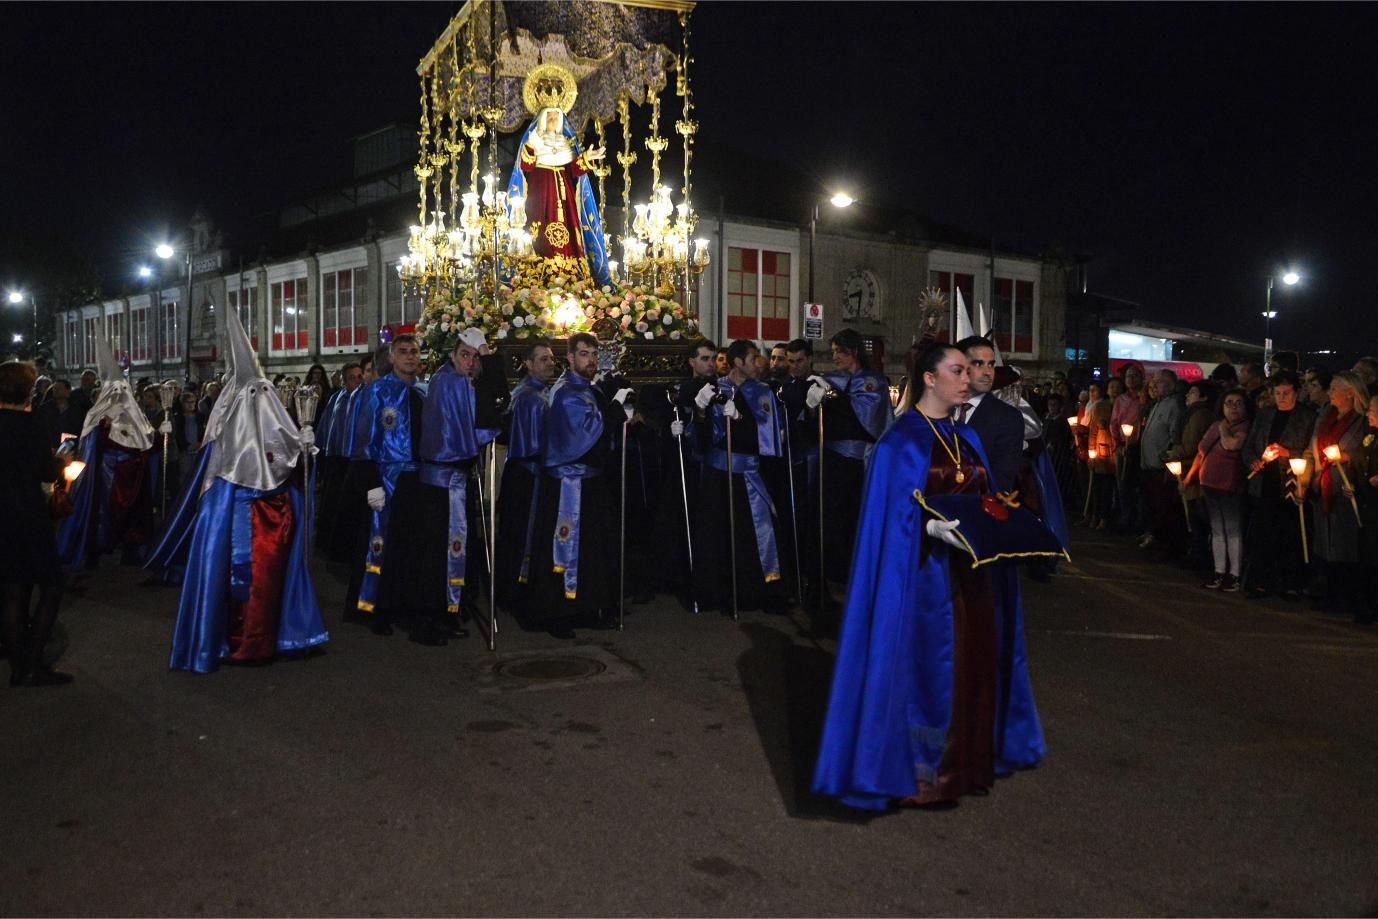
x=1207, y=755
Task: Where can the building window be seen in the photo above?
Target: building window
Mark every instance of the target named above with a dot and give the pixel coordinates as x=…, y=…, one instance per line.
x=170, y=331
x=140, y=337
x=758, y=294
x=947, y=282
x=344, y=294
x=71, y=339
x=401, y=310
x=1014, y=316
x=244, y=302
x=91, y=337
x=114, y=331
x=288, y=306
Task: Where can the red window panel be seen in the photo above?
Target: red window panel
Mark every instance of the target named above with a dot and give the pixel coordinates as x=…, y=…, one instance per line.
x=749, y=261
x=767, y=262
x=301, y=341
x=328, y=337
x=741, y=327
x=775, y=329
x=361, y=333
x=277, y=341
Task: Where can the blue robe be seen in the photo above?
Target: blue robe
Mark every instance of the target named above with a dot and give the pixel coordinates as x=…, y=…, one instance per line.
x=891, y=700
x=200, y=639
x=90, y=496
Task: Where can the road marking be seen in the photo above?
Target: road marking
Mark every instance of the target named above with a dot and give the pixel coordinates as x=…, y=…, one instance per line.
x=1129, y=636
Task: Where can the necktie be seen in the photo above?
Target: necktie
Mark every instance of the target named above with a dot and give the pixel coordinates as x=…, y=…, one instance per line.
x=963, y=412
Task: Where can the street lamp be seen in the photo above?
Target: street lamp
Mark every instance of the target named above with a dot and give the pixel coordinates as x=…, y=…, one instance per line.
x=839, y=200
x=16, y=298
x=1290, y=278
x=145, y=272
x=165, y=251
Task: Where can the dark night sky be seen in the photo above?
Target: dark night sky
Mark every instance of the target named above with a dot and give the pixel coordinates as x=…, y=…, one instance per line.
x=1189, y=148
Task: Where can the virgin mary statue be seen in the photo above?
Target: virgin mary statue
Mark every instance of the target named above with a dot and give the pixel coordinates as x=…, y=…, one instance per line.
x=551, y=174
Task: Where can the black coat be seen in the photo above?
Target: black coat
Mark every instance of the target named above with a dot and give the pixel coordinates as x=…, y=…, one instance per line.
x=1001, y=429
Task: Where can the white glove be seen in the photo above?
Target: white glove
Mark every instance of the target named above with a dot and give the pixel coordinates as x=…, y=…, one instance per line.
x=165, y=427
x=677, y=428
x=815, y=395
x=630, y=412
x=729, y=409
x=598, y=377
x=621, y=395
x=308, y=437
x=377, y=499
x=820, y=380
x=944, y=531
x=705, y=395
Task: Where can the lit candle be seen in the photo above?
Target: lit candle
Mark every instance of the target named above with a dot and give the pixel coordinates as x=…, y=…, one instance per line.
x=1127, y=430
x=1333, y=454
x=1072, y=421
x=1298, y=465
x=72, y=470
x=1175, y=467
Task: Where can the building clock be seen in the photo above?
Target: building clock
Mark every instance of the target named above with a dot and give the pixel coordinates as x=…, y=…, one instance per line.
x=861, y=295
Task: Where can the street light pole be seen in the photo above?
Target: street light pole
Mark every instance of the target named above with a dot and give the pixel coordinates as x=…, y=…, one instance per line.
x=187, y=355
x=813, y=233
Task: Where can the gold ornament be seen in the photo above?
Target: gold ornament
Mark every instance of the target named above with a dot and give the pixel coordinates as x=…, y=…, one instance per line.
x=557, y=235
x=549, y=86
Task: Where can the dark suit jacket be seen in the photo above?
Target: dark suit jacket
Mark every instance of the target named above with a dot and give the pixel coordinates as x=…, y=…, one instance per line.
x=1001, y=429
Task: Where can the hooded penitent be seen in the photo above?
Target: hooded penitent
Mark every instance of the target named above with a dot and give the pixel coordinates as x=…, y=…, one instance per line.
x=239, y=531
x=129, y=426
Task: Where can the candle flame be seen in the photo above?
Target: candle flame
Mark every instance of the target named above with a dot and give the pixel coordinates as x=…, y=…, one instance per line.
x=72, y=470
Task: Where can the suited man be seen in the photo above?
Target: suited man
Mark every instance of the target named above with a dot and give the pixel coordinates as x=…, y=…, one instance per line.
x=999, y=425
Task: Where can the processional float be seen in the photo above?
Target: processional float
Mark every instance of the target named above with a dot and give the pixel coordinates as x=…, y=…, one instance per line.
x=488, y=252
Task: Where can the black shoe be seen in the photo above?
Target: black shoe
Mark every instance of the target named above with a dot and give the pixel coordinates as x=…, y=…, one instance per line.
x=432, y=638
x=452, y=629
x=561, y=630
x=1214, y=583
x=41, y=676
x=381, y=627
x=1230, y=584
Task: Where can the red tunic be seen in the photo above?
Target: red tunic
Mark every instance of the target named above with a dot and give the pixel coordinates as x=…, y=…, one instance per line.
x=552, y=209
x=968, y=763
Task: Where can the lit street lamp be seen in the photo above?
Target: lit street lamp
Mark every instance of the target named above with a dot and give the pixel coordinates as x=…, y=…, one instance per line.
x=839, y=200
x=1290, y=278
x=16, y=298
x=165, y=251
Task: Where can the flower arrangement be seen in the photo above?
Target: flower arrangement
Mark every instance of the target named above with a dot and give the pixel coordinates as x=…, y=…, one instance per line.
x=553, y=309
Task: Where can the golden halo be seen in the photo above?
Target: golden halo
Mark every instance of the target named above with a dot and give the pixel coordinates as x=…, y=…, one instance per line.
x=549, y=86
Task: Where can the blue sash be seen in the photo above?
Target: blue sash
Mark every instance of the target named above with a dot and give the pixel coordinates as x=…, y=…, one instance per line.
x=748, y=465
x=455, y=481
x=566, y=541
x=373, y=561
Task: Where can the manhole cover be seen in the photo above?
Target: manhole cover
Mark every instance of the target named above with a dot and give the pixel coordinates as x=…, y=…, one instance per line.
x=551, y=668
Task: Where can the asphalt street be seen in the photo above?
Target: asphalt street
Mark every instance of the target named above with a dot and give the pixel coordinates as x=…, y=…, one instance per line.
x=1207, y=755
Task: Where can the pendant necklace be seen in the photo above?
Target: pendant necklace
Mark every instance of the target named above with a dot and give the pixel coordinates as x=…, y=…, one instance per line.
x=955, y=451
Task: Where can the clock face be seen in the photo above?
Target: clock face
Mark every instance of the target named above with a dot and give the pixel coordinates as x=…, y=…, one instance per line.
x=861, y=295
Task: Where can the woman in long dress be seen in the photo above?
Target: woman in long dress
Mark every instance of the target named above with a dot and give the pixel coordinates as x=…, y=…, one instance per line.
x=930, y=697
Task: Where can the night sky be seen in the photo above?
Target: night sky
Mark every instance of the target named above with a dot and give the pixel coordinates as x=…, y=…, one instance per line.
x=1189, y=149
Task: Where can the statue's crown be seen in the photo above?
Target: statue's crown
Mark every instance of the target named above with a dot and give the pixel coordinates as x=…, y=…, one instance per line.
x=550, y=93
x=549, y=86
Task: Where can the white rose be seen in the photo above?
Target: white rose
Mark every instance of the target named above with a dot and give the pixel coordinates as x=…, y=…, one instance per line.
x=667, y=319
x=651, y=335
x=502, y=333
x=675, y=335
x=444, y=327
x=518, y=321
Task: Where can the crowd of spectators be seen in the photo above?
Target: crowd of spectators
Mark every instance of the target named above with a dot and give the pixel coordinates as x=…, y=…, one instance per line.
x=1261, y=482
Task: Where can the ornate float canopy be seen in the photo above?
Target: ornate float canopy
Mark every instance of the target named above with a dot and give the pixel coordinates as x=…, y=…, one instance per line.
x=530, y=242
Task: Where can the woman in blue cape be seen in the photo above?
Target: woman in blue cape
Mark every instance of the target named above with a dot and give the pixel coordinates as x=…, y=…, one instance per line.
x=930, y=697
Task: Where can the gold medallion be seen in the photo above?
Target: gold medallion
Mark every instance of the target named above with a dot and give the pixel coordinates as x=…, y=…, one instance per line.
x=557, y=235
x=961, y=476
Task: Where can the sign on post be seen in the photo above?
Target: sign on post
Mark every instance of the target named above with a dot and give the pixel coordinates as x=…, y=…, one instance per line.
x=813, y=321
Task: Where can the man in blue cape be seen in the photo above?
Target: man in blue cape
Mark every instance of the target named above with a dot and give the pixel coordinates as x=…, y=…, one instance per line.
x=521, y=475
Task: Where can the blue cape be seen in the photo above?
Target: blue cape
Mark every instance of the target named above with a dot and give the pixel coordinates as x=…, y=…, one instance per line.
x=573, y=423
x=891, y=700
x=199, y=641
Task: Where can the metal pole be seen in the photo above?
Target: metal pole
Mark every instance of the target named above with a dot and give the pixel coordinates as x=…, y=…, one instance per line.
x=492, y=541
x=1267, y=323
x=813, y=232
x=187, y=356
x=622, y=538
x=34, y=349
x=731, y=517
x=793, y=512
x=822, y=568
x=684, y=490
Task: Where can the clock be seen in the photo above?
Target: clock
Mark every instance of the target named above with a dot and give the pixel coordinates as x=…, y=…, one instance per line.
x=861, y=295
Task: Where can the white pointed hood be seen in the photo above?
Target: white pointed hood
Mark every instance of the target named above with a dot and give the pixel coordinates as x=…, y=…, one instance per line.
x=115, y=400
x=256, y=443
x=964, y=329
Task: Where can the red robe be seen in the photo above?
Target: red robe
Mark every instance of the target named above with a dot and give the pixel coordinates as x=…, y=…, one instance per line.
x=552, y=210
